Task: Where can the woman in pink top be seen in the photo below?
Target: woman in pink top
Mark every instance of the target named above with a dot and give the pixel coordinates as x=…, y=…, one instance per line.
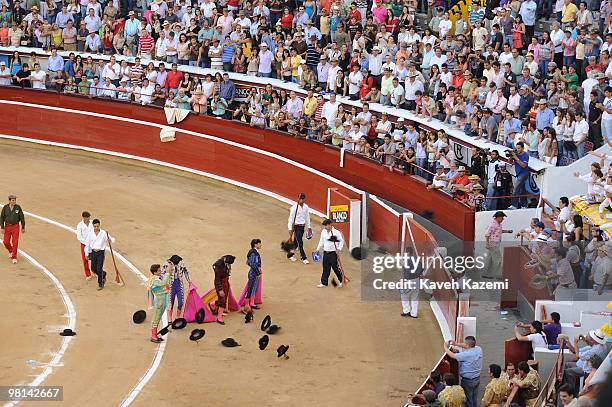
x=379, y=13
x=569, y=49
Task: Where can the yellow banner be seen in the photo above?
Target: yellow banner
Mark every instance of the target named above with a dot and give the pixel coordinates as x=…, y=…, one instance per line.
x=338, y=208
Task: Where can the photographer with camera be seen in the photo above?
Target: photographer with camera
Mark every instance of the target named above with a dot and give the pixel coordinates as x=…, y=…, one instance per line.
x=492, y=170
x=477, y=162
x=520, y=158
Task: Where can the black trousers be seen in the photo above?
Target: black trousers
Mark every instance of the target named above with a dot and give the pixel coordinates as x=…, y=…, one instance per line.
x=298, y=235
x=330, y=261
x=97, y=265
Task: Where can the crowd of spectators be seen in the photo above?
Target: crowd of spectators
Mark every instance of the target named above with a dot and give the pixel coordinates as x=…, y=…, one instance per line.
x=521, y=384
x=488, y=72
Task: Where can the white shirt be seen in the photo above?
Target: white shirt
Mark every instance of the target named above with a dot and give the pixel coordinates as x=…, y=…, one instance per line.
x=435, y=60
x=96, y=242
x=301, y=218
x=82, y=230
x=444, y=27
x=38, y=79
x=328, y=246
x=412, y=87
x=330, y=111
x=514, y=102
x=537, y=341
x=355, y=79
x=112, y=74
x=5, y=81
x=581, y=131
x=607, y=104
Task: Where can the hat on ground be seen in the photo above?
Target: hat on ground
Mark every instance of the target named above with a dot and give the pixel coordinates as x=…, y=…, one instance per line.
x=229, y=343
x=164, y=330
x=175, y=259
x=358, y=253
x=67, y=332
x=179, y=323
x=282, y=351
x=197, y=334
x=199, y=316
x=461, y=168
x=263, y=342
x=248, y=317
x=273, y=329
x=265, y=324
x=499, y=214
x=327, y=222
x=139, y=316
x=598, y=336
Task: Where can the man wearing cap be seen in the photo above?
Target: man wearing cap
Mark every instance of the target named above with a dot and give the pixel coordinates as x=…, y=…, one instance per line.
x=457, y=183
x=5, y=75
x=596, y=345
x=493, y=238
x=331, y=242
x=10, y=218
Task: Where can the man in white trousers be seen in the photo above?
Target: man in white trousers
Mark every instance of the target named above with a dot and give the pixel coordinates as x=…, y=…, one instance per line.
x=410, y=294
x=299, y=220
x=82, y=230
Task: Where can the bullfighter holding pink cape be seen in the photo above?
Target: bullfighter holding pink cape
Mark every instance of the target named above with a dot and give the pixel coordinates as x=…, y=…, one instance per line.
x=251, y=295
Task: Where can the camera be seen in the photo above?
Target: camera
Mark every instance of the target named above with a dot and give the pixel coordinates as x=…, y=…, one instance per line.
x=509, y=153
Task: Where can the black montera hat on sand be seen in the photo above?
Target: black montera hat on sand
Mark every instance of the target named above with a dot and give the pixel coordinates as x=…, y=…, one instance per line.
x=263, y=342
x=67, y=332
x=164, y=330
x=139, y=316
x=248, y=317
x=197, y=334
x=265, y=324
x=229, y=343
x=179, y=323
x=200, y=315
x=282, y=351
x=273, y=329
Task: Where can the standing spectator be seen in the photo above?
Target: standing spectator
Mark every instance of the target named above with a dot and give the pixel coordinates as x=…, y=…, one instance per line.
x=493, y=238
x=470, y=365
x=520, y=159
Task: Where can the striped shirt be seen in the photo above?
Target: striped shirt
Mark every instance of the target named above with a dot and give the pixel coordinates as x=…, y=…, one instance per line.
x=312, y=55
x=146, y=44
x=228, y=53
x=476, y=15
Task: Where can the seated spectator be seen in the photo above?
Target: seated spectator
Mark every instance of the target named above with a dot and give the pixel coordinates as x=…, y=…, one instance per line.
x=439, y=180
x=431, y=399
x=536, y=336
x=182, y=100
x=566, y=395
x=595, y=345
x=529, y=384
x=258, y=119
x=453, y=394
x=242, y=113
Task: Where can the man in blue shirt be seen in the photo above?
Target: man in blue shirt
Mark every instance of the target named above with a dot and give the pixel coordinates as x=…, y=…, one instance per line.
x=527, y=101
x=470, y=365
x=512, y=126
x=544, y=116
x=520, y=159
x=227, y=90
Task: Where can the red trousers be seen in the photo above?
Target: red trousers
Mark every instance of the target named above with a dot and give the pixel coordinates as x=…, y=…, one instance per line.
x=85, y=261
x=11, y=238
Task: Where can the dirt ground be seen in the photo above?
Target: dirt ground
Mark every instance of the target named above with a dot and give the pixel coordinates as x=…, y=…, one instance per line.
x=343, y=351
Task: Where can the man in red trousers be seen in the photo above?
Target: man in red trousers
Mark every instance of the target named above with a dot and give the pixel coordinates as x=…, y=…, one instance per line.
x=10, y=217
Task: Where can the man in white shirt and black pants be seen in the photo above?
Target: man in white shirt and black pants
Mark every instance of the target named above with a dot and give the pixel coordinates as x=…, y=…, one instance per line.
x=299, y=219
x=83, y=229
x=95, y=245
x=332, y=243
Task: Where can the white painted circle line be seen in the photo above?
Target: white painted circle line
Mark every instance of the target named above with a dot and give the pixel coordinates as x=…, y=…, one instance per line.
x=71, y=313
x=161, y=348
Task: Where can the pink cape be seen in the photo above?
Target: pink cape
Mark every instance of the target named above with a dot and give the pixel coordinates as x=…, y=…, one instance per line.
x=211, y=296
x=193, y=304
x=258, y=293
